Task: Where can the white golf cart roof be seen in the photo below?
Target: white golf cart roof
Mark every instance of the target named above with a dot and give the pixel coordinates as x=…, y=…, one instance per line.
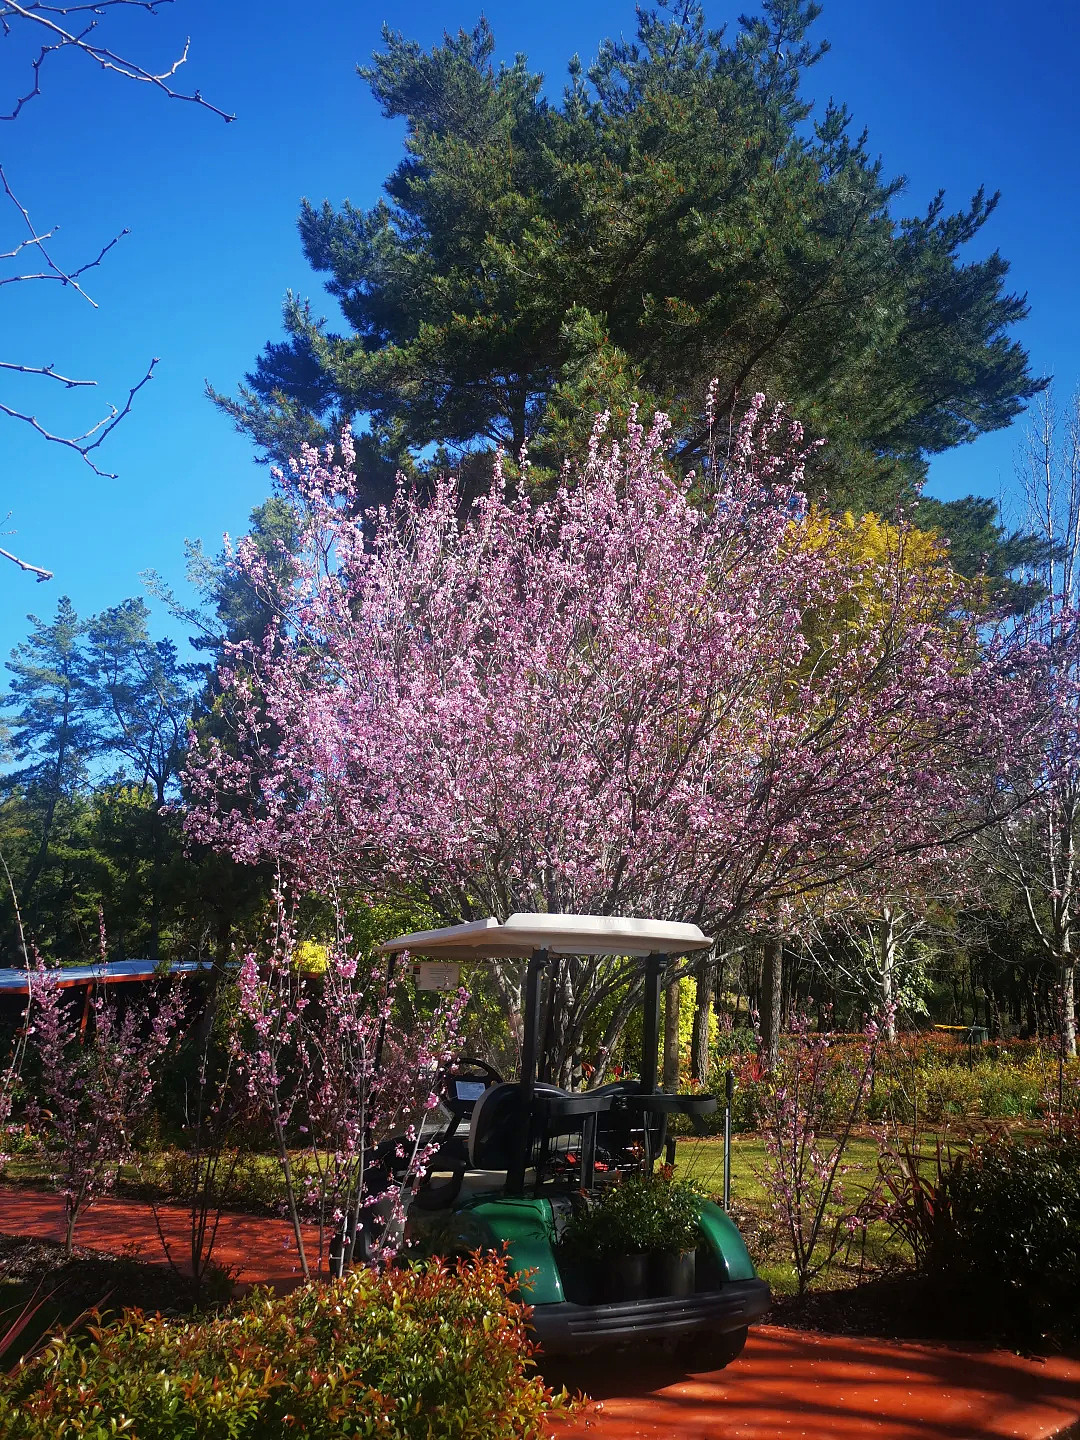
x=524, y=933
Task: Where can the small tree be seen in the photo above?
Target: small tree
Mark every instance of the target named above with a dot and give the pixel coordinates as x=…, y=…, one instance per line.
x=11, y=1073
x=1036, y=851
x=215, y=1109
x=806, y=1142
x=337, y=1077
x=96, y=1088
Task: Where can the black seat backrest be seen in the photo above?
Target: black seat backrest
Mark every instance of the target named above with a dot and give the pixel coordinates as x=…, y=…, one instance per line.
x=495, y=1130
x=496, y=1120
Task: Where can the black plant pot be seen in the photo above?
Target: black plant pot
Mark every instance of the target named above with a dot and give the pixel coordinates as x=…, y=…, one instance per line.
x=673, y=1272
x=626, y=1277
x=582, y=1279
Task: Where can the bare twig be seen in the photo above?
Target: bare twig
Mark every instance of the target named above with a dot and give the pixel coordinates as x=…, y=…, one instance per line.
x=55, y=271
x=48, y=370
x=85, y=443
x=108, y=59
x=74, y=27
x=22, y=245
x=25, y=565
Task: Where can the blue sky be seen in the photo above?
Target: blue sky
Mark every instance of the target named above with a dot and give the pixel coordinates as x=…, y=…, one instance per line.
x=955, y=94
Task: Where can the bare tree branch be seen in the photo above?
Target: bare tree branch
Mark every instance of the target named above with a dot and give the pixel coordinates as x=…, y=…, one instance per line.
x=108, y=59
x=25, y=565
x=85, y=443
x=55, y=271
x=22, y=245
x=51, y=27
x=48, y=370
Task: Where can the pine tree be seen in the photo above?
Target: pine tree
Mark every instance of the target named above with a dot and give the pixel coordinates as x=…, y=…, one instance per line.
x=676, y=216
x=142, y=699
x=52, y=736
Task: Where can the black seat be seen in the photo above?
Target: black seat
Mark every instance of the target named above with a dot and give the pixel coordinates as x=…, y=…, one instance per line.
x=561, y=1126
x=495, y=1128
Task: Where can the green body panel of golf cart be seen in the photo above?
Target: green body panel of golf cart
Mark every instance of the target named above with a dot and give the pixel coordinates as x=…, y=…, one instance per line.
x=524, y=1228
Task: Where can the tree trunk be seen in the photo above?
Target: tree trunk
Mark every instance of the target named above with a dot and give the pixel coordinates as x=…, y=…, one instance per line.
x=671, y=1037
x=156, y=867
x=772, y=998
x=887, y=968
x=1068, y=1008
x=703, y=1003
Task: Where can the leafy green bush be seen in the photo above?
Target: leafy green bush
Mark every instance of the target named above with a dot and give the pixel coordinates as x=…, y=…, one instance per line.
x=933, y=1078
x=1000, y=1228
x=643, y=1214
x=413, y=1353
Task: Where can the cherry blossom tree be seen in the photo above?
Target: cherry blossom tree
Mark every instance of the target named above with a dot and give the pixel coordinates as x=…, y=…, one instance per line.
x=644, y=695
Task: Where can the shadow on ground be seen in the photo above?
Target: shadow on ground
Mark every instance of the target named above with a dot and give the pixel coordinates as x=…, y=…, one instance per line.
x=820, y=1387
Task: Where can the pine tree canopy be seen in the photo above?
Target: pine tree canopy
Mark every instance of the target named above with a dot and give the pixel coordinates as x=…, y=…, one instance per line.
x=678, y=215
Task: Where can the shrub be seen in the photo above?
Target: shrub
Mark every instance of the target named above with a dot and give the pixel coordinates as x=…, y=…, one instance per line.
x=931, y=1078
x=405, y=1354
x=999, y=1229
x=642, y=1214
x=1014, y=1233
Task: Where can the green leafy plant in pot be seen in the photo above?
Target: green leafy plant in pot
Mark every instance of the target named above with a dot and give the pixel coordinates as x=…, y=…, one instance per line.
x=635, y=1237
x=676, y=1234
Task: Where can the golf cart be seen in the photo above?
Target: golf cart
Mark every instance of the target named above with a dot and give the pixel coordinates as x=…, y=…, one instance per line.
x=516, y=1161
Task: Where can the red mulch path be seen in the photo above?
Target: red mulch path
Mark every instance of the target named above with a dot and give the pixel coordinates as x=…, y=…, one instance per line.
x=259, y=1249
x=801, y=1385
x=787, y=1385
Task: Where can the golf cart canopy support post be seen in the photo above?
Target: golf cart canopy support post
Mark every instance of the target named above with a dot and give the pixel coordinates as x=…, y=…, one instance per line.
x=650, y=1030
x=530, y=1048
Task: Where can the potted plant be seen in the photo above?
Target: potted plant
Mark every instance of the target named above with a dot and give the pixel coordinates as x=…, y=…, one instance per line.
x=676, y=1234
x=607, y=1243
x=636, y=1237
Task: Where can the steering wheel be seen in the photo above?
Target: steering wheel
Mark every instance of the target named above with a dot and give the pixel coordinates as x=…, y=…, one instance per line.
x=463, y=1081
x=460, y=1086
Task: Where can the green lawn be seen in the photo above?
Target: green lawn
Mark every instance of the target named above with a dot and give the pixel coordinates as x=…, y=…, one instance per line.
x=702, y=1162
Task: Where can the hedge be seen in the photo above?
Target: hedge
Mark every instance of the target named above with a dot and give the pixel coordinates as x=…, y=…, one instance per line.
x=419, y=1353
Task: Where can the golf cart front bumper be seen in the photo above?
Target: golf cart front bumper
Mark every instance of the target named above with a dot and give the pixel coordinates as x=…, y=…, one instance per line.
x=568, y=1327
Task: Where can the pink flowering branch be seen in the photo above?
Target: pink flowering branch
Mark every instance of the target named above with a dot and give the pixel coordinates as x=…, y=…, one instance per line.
x=344, y=1086
x=97, y=1088
x=11, y=1075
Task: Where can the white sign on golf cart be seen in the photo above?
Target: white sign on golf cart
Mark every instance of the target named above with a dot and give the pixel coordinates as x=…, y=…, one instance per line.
x=524, y=933
x=431, y=976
